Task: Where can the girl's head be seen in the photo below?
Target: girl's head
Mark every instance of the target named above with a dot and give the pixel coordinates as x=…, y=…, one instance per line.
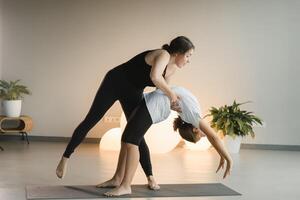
x=187, y=131
x=181, y=48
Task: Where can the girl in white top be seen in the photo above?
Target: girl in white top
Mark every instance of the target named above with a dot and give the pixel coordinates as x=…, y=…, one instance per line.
x=190, y=108
x=155, y=108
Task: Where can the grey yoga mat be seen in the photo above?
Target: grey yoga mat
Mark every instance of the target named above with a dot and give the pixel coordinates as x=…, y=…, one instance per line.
x=138, y=191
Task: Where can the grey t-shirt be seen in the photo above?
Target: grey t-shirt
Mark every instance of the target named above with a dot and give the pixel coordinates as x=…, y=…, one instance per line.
x=158, y=105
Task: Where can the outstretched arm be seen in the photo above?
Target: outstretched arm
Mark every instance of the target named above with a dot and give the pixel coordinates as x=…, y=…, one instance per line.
x=218, y=145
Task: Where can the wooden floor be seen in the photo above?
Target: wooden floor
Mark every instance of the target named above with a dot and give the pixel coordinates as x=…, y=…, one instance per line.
x=257, y=174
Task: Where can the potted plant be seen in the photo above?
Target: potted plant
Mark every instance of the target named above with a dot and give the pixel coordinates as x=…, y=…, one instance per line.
x=11, y=94
x=234, y=123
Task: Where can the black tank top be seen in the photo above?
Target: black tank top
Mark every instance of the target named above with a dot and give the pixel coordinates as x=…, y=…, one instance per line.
x=138, y=71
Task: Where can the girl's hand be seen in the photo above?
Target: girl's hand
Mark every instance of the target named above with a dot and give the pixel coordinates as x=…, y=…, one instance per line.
x=221, y=164
x=228, y=166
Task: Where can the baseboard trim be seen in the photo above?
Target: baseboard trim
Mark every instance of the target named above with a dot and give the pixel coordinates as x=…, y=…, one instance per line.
x=97, y=141
x=46, y=138
x=271, y=147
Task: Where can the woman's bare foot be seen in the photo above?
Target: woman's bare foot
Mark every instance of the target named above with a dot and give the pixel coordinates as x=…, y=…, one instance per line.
x=152, y=185
x=112, y=183
x=62, y=167
x=118, y=191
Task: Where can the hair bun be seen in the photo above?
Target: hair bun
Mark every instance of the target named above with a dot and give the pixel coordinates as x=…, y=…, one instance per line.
x=166, y=47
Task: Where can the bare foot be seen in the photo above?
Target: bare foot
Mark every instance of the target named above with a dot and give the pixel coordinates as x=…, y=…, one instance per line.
x=112, y=183
x=62, y=167
x=152, y=185
x=118, y=191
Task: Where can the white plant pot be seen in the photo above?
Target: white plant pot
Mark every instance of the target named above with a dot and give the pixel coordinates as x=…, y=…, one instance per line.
x=233, y=144
x=12, y=108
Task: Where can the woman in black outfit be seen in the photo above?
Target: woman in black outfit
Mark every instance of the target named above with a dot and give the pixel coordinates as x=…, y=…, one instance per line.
x=126, y=83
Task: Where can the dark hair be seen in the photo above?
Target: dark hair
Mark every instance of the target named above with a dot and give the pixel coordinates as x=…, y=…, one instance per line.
x=180, y=45
x=185, y=129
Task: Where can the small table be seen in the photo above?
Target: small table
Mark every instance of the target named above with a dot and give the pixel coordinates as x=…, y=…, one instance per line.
x=24, y=125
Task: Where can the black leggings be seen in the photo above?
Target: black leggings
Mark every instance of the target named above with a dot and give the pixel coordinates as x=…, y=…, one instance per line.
x=137, y=125
x=115, y=86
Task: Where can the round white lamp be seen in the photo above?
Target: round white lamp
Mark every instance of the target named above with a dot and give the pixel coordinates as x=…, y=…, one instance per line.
x=111, y=140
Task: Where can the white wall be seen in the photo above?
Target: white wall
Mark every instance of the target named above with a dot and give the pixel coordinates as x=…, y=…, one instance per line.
x=1, y=12
x=245, y=50
x=1, y=35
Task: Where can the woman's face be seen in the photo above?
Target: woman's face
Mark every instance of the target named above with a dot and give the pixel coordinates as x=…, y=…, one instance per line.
x=182, y=59
x=198, y=133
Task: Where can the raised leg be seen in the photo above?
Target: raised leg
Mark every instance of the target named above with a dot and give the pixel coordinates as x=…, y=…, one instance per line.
x=103, y=100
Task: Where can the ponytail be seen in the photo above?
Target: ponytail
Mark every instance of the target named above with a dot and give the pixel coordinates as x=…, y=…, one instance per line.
x=166, y=47
x=180, y=45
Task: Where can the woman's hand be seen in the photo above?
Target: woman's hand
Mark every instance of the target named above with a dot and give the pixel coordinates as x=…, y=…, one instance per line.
x=174, y=99
x=228, y=166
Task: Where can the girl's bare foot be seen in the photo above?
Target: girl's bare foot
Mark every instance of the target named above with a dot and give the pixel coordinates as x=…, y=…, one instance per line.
x=118, y=191
x=152, y=185
x=109, y=184
x=61, y=169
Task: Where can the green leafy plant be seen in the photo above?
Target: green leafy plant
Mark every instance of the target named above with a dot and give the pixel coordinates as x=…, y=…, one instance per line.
x=12, y=90
x=233, y=121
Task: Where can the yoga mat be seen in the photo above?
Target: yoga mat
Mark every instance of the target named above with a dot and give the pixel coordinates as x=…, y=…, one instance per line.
x=138, y=191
